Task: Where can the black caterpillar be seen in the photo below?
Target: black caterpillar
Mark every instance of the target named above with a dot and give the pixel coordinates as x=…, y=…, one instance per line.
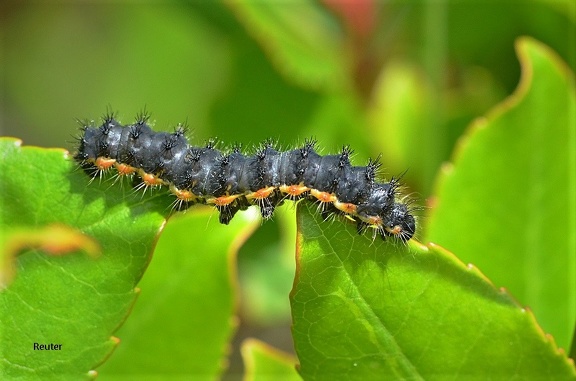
x=232, y=181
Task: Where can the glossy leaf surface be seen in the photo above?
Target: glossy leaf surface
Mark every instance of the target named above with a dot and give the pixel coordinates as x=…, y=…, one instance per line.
x=362, y=308
x=507, y=203
x=71, y=300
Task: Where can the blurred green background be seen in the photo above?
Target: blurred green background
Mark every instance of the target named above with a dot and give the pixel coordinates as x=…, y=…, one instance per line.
x=397, y=78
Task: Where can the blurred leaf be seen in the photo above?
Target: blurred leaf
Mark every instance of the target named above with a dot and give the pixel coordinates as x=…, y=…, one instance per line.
x=362, y=308
x=480, y=33
x=260, y=100
x=402, y=117
x=77, y=58
x=72, y=300
x=399, y=119
x=508, y=203
x=184, y=318
x=337, y=120
x=266, y=277
x=302, y=38
x=566, y=7
x=264, y=363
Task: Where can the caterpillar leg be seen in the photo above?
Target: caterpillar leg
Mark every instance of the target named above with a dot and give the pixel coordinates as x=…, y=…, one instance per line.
x=227, y=212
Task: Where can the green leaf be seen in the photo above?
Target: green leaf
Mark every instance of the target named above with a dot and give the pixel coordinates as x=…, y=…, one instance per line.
x=303, y=40
x=74, y=300
x=363, y=308
x=266, y=278
x=264, y=363
x=508, y=201
x=53, y=240
x=184, y=318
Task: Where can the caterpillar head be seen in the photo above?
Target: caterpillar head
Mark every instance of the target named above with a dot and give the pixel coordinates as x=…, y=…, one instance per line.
x=399, y=222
